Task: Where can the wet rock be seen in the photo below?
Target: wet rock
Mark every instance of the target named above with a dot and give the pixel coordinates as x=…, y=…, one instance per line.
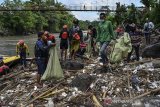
x=83, y=81
x=156, y=63
x=151, y=51
x=72, y=65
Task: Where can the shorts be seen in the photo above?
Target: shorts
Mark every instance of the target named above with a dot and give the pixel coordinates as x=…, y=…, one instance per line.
x=41, y=64
x=64, y=44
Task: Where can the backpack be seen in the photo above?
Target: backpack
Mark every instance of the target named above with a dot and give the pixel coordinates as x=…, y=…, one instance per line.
x=64, y=35
x=147, y=27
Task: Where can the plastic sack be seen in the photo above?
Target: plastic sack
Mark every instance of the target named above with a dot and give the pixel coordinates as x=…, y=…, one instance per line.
x=121, y=49
x=53, y=69
x=89, y=47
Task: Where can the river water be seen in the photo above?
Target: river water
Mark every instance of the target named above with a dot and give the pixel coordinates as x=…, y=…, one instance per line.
x=8, y=44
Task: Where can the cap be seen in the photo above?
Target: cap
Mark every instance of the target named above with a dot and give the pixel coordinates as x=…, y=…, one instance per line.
x=21, y=42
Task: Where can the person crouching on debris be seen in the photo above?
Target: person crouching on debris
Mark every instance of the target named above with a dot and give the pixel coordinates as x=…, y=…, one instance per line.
x=22, y=50
x=104, y=36
x=135, y=34
x=64, y=36
x=41, y=55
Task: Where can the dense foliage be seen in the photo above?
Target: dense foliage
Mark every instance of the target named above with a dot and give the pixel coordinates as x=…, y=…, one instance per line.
x=21, y=22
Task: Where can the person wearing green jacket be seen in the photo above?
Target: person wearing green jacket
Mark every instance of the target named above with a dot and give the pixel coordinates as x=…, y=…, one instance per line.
x=104, y=36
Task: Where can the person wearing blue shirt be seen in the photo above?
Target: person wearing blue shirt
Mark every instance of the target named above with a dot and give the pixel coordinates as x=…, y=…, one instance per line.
x=41, y=55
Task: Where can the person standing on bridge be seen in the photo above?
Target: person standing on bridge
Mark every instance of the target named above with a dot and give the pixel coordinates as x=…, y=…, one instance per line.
x=64, y=36
x=104, y=36
x=75, y=38
x=22, y=50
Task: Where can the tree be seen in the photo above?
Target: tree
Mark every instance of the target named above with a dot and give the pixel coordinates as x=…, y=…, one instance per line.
x=148, y=3
x=19, y=22
x=120, y=14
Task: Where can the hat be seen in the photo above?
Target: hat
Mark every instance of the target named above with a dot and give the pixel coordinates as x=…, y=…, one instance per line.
x=21, y=42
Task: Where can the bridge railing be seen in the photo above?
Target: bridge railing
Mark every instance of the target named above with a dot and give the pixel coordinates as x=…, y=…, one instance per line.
x=68, y=8
x=53, y=8
x=84, y=7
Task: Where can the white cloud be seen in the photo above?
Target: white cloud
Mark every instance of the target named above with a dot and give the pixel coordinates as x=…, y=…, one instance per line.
x=93, y=15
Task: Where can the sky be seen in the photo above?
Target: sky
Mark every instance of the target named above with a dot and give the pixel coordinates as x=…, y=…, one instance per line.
x=93, y=15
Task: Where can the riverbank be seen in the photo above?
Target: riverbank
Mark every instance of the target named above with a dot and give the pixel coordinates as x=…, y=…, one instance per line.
x=8, y=44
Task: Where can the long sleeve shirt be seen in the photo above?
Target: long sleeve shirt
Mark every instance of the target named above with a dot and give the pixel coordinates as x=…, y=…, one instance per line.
x=105, y=32
x=22, y=49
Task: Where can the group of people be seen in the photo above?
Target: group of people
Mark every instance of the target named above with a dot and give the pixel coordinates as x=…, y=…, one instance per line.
x=73, y=40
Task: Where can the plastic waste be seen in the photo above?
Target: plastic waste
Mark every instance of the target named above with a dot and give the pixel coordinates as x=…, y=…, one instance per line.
x=64, y=94
x=135, y=82
x=152, y=85
x=35, y=88
x=50, y=103
x=135, y=79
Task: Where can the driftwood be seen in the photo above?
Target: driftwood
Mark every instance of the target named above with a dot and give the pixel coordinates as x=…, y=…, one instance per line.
x=96, y=102
x=42, y=94
x=145, y=94
x=53, y=92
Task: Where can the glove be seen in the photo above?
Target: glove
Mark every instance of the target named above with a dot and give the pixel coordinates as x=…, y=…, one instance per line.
x=28, y=54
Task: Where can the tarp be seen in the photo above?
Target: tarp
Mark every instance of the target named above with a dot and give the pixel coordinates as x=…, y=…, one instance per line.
x=121, y=49
x=53, y=69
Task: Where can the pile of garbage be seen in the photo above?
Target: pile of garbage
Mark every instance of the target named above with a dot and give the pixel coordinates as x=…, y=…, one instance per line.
x=134, y=84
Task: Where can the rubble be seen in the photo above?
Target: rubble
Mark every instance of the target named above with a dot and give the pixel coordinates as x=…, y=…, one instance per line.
x=89, y=86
